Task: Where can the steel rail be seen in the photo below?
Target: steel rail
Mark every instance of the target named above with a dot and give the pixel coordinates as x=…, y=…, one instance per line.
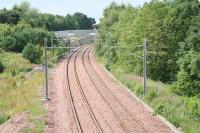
x=120, y=103
x=115, y=114
x=83, y=94
x=75, y=114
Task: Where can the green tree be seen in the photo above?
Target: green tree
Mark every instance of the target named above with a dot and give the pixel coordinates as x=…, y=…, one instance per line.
x=9, y=43
x=83, y=21
x=188, y=82
x=164, y=23
x=31, y=53
x=180, y=18
x=189, y=75
x=9, y=16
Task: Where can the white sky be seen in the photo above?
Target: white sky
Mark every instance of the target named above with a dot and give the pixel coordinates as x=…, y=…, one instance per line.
x=92, y=8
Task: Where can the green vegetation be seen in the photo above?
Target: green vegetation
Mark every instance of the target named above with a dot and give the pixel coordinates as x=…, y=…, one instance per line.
x=32, y=53
x=173, y=32
x=22, y=32
x=19, y=91
x=16, y=37
x=14, y=64
x=24, y=25
x=1, y=67
x=24, y=13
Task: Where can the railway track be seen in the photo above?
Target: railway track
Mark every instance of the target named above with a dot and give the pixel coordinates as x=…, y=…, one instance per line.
x=83, y=95
x=89, y=101
x=123, y=123
x=75, y=114
x=116, y=116
x=121, y=113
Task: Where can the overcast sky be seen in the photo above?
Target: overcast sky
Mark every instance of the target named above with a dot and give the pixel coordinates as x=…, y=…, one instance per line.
x=92, y=8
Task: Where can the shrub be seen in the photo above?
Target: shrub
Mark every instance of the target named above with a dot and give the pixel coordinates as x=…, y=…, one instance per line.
x=1, y=67
x=159, y=108
x=17, y=36
x=151, y=95
x=194, y=108
x=108, y=67
x=32, y=53
x=8, y=43
x=188, y=82
x=139, y=90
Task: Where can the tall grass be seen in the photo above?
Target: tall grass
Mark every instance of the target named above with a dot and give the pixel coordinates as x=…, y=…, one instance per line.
x=14, y=63
x=20, y=93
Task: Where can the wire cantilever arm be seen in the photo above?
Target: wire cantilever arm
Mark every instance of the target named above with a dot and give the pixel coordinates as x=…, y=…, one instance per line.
x=59, y=55
x=136, y=55
x=60, y=47
x=133, y=54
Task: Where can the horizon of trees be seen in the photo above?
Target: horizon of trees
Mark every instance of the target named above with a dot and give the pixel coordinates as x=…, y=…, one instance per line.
x=24, y=13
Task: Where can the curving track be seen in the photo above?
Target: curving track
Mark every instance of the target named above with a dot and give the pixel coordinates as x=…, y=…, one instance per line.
x=96, y=103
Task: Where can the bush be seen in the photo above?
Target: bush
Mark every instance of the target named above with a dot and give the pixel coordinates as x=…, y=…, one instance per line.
x=194, y=108
x=108, y=67
x=1, y=67
x=151, y=95
x=188, y=82
x=159, y=109
x=139, y=90
x=8, y=43
x=32, y=53
x=17, y=36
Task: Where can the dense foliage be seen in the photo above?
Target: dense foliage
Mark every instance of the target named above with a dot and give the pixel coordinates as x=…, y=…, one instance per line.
x=188, y=82
x=23, y=13
x=24, y=24
x=172, y=31
x=32, y=53
x=16, y=37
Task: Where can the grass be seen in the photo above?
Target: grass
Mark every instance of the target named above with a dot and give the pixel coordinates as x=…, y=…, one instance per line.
x=176, y=109
x=21, y=93
x=14, y=64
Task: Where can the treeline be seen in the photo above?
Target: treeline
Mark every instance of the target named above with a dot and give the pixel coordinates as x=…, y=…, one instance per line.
x=23, y=29
x=24, y=13
x=173, y=32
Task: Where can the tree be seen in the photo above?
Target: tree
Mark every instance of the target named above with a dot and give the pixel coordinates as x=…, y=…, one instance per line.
x=83, y=21
x=23, y=7
x=9, y=16
x=15, y=38
x=9, y=44
x=25, y=14
x=31, y=53
x=164, y=23
x=180, y=19
x=188, y=83
x=33, y=17
x=129, y=27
